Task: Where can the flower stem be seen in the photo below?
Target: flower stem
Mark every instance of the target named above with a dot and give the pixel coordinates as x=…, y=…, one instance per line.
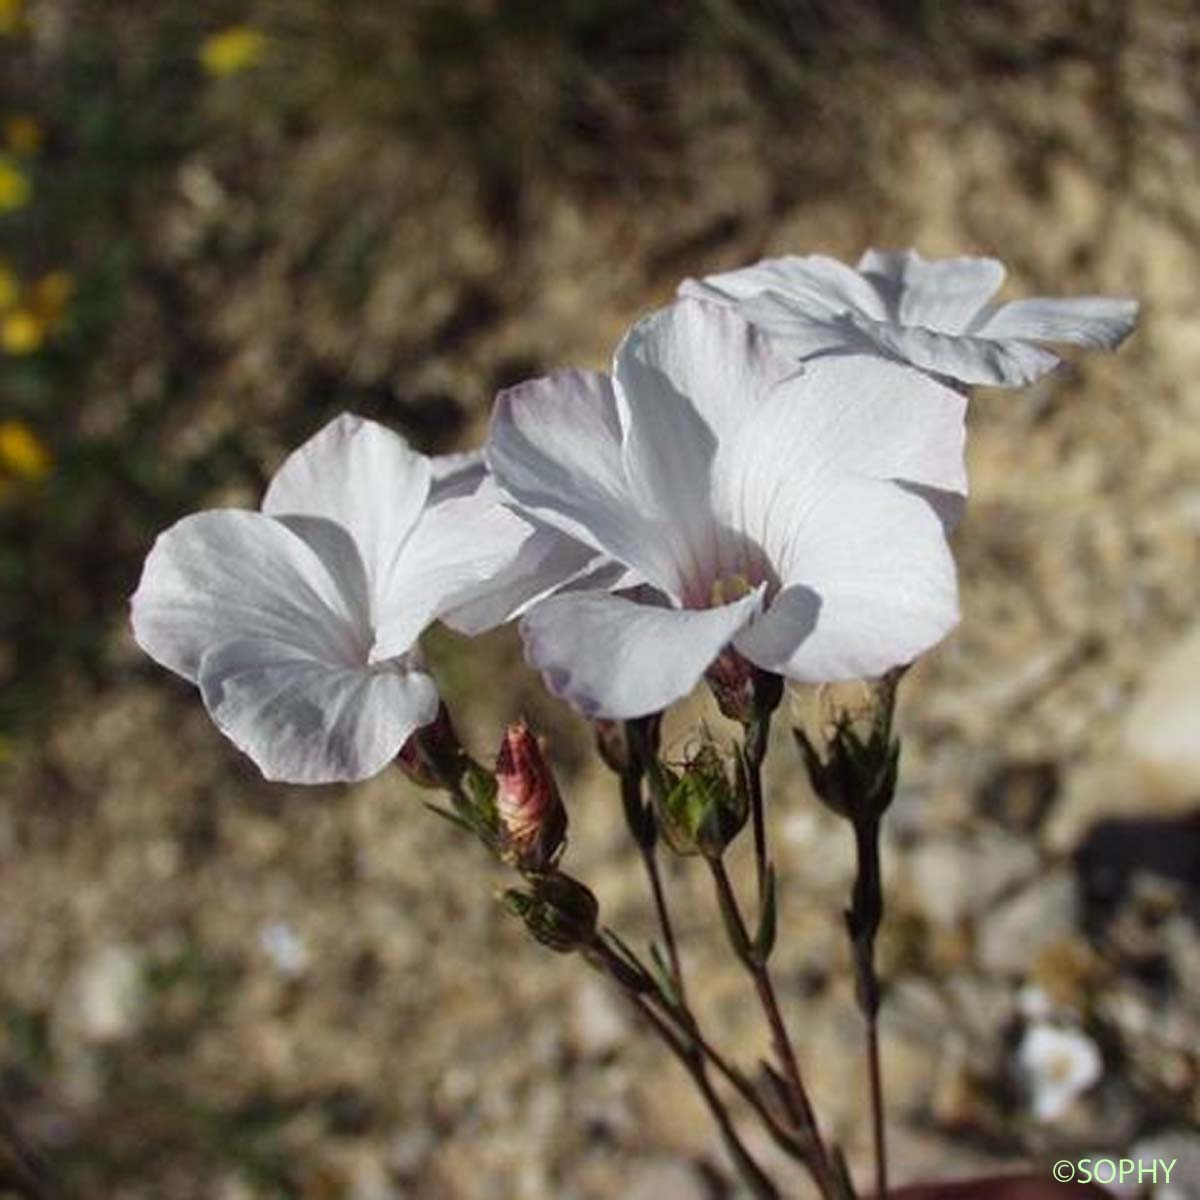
x=687, y=1050
x=862, y=923
x=757, y=735
x=799, y=1106
x=877, y=1124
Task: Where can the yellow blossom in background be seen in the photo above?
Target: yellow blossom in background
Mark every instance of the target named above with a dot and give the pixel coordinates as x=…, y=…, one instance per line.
x=14, y=184
x=22, y=133
x=232, y=50
x=21, y=332
x=22, y=453
x=49, y=297
x=27, y=321
x=10, y=287
x=12, y=16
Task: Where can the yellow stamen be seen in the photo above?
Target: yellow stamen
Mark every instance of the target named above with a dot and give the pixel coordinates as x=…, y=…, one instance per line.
x=730, y=588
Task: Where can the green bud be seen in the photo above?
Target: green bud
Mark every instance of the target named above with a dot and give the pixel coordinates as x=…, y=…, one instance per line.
x=700, y=809
x=855, y=775
x=559, y=912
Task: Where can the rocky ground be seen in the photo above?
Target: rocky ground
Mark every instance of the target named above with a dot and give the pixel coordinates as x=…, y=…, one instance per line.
x=215, y=987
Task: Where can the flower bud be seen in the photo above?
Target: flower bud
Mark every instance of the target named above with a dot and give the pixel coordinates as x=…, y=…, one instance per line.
x=731, y=679
x=743, y=692
x=532, y=819
x=612, y=745
x=853, y=759
x=560, y=912
x=432, y=757
x=700, y=809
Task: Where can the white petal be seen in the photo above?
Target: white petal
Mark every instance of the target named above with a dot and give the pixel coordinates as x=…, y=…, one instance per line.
x=303, y=721
x=218, y=576
x=610, y=656
x=853, y=415
x=547, y=561
x=456, y=474
x=360, y=476
x=871, y=586
x=795, y=332
x=942, y=295
x=969, y=358
x=458, y=550
x=701, y=355
x=1095, y=321
x=820, y=286
x=690, y=377
x=555, y=448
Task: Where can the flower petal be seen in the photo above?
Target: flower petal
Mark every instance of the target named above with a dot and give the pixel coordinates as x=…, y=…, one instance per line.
x=968, y=358
x=871, y=586
x=304, y=721
x=943, y=294
x=854, y=415
x=689, y=378
x=547, y=561
x=819, y=285
x=456, y=474
x=555, y=448
x=360, y=476
x=1095, y=321
x=611, y=656
x=219, y=576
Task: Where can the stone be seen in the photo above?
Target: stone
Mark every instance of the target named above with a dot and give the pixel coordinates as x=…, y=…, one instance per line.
x=666, y=1178
x=1176, y=1155
x=108, y=996
x=598, y=1022
x=1162, y=726
x=1011, y=937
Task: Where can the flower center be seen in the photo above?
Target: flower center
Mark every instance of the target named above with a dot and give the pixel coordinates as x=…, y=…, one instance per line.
x=727, y=589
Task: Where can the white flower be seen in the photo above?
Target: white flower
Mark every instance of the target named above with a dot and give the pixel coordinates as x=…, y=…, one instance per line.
x=299, y=623
x=935, y=315
x=788, y=512
x=1057, y=1065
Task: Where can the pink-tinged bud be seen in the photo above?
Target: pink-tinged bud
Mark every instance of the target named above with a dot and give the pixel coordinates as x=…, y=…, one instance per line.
x=432, y=757
x=731, y=679
x=533, y=821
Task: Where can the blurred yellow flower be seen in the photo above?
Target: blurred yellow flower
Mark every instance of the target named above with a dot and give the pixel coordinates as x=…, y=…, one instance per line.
x=234, y=49
x=12, y=16
x=49, y=297
x=10, y=287
x=22, y=453
x=14, y=184
x=22, y=332
x=22, y=133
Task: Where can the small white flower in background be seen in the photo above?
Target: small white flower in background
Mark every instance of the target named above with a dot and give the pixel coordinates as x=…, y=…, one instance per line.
x=794, y=514
x=285, y=948
x=1057, y=1065
x=936, y=315
x=299, y=623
